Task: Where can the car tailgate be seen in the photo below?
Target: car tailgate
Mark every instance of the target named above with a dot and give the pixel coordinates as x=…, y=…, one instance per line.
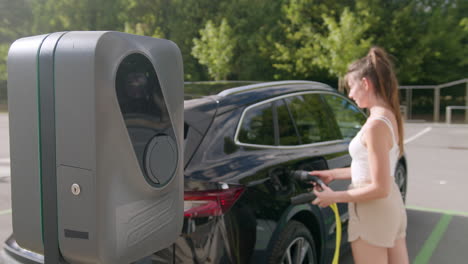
x=198, y=116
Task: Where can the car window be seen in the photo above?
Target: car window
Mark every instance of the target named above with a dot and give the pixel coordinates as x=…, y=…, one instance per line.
x=257, y=126
x=348, y=116
x=314, y=123
x=287, y=132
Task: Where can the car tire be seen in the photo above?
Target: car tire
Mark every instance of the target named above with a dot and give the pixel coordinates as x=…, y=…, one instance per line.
x=295, y=241
x=401, y=179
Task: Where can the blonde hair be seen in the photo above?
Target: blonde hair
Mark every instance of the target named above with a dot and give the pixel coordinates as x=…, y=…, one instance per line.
x=378, y=68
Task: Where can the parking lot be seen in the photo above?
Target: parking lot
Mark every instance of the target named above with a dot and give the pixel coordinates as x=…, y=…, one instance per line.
x=437, y=202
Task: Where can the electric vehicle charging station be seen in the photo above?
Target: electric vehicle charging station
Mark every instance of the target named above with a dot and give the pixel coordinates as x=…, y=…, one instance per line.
x=96, y=138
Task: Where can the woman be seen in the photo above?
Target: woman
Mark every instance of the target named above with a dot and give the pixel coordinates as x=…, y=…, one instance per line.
x=377, y=225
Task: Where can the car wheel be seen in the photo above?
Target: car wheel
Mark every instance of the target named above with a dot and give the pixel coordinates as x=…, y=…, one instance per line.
x=295, y=245
x=401, y=179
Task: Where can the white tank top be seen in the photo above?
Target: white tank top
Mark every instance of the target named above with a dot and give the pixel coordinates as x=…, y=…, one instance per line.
x=360, y=172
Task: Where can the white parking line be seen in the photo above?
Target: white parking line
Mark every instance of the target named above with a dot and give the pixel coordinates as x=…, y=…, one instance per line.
x=427, y=129
x=4, y=171
x=4, y=167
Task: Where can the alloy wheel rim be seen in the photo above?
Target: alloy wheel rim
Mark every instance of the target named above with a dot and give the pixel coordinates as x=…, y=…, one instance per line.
x=400, y=179
x=299, y=251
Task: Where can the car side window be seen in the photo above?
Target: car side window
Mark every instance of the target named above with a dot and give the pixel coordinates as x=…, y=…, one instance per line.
x=312, y=119
x=348, y=116
x=257, y=126
x=287, y=132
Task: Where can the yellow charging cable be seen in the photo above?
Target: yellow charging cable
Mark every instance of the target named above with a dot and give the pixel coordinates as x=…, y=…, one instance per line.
x=336, y=257
x=308, y=197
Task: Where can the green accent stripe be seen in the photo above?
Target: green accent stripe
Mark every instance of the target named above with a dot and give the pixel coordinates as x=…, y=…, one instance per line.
x=55, y=129
x=38, y=86
x=431, y=243
x=5, y=212
x=441, y=211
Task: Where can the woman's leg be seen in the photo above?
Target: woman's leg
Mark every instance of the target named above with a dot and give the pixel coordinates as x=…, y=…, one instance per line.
x=364, y=253
x=399, y=253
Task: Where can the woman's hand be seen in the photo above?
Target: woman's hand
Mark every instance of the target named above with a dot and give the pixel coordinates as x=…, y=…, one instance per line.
x=325, y=175
x=325, y=197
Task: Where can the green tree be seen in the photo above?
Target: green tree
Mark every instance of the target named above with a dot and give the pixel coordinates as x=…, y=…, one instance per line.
x=15, y=22
x=3, y=58
x=464, y=25
x=176, y=20
x=344, y=42
x=425, y=37
x=293, y=54
x=214, y=49
x=146, y=18
x=64, y=15
x=255, y=27
x=445, y=39
x=15, y=19
x=287, y=39
x=326, y=42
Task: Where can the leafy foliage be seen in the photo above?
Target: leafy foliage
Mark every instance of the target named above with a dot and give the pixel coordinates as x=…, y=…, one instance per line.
x=284, y=39
x=344, y=42
x=3, y=59
x=214, y=49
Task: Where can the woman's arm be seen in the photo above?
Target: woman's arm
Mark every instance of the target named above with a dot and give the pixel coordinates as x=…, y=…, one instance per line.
x=341, y=173
x=378, y=143
x=328, y=176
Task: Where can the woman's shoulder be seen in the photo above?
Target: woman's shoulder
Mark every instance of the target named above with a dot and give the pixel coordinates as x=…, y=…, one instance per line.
x=386, y=116
x=377, y=132
x=376, y=126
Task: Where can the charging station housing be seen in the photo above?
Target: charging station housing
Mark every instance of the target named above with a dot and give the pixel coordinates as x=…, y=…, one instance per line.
x=96, y=132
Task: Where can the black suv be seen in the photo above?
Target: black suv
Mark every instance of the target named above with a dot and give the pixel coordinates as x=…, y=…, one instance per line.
x=241, y=146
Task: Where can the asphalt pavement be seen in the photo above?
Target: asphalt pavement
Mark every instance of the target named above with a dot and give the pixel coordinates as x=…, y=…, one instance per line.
x=437, y=200
x=5, y=191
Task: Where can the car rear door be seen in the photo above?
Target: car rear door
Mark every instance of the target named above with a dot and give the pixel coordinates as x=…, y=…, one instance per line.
x=320, y=145
x=349, y=120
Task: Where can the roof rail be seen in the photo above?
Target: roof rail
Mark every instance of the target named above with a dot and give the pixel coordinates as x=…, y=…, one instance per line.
x=263, y=85
x=224, y=81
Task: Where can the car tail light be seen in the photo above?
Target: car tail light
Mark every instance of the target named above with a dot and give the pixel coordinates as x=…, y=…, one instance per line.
x=211, y=202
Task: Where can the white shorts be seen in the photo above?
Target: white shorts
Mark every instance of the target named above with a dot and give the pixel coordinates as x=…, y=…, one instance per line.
x=379, y=222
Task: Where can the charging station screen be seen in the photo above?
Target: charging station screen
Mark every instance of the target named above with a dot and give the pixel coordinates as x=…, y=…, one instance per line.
x=138, y=89
x=143, y=108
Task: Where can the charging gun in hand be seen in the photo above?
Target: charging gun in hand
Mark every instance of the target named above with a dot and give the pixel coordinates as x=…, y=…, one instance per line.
x=305, y=177
x=309, y=197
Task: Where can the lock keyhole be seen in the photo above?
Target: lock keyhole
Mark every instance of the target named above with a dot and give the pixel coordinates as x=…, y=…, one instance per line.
x=75, y=189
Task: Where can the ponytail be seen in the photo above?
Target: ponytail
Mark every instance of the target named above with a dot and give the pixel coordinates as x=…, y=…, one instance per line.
x=378, y=68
